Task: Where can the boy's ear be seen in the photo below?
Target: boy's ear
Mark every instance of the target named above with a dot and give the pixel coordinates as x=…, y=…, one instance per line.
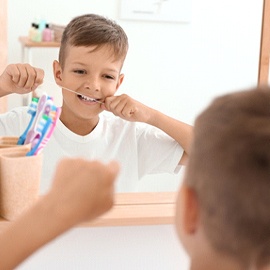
x=120, y=80
x=57, y=71
x=190, y=210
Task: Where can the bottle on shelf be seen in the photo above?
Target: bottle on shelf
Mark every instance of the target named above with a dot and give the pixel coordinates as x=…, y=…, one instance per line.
x=31, y=32
x=42, y=24
x=37, y=34
x=47, y=33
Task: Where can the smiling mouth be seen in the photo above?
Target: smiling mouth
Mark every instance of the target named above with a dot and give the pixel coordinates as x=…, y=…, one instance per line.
x=88, y=99
x=83, y=97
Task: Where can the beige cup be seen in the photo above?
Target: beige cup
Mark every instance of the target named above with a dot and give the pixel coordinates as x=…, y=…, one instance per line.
x=9, y=145
x=8, y=140
x=19, y=182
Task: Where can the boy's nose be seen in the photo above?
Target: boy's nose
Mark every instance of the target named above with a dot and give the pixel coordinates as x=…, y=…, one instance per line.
x=92, y=85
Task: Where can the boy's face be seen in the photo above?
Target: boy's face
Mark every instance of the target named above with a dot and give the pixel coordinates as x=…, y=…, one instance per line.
x=90, y=72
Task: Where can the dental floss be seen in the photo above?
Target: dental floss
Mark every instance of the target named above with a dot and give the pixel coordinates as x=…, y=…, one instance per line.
x=72, y=91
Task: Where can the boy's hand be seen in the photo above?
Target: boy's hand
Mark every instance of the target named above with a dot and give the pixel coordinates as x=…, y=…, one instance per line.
x=82, y=190
x=127, y=108
x=20, y=79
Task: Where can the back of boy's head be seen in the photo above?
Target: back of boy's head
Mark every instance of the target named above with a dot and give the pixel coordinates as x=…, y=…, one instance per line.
x=94, y=30
x=229, y=169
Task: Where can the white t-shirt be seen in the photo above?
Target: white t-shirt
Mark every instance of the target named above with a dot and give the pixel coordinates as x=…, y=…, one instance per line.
x=139, y=148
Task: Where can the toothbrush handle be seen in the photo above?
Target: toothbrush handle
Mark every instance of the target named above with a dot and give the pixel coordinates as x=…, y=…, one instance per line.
x=39, y=112
x=33, y=151
x=50, y=132
x=23, y=136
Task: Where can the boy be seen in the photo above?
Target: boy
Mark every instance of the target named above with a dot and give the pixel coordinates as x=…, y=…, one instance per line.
x=92, y=53
x=222, y=212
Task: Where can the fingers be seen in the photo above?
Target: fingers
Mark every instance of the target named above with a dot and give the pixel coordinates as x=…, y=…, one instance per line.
x=39, y=78
x=25, y=76
x=108, y=174
x=122, y=106
x=84, y=189
x=114, y=168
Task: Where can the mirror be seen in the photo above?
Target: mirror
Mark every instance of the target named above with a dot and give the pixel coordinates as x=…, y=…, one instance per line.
x=176, y=68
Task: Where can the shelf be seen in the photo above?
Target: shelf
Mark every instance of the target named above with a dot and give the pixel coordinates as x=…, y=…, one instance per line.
x=25, y=42
x=134, y=209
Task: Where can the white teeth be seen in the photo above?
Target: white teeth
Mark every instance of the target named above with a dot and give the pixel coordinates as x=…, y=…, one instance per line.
x=87, y=98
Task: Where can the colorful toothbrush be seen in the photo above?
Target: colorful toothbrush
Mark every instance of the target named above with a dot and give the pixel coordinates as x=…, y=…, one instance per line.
x=55, y=117
x=32, y=111
x=41, y=131
x=39, y=112
x=48, y=106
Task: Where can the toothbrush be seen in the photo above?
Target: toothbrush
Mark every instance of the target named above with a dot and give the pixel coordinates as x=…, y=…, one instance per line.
x=32, y=111
x=42, y=129
x=40, y=107
x=48, y=106
x=50, y=132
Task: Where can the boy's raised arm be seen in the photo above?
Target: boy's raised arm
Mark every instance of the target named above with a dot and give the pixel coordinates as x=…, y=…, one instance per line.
x=178, y=130
x=132, y=110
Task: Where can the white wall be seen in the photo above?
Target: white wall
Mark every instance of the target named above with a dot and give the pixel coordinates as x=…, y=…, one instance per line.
x=115, y=248
x=176, y=68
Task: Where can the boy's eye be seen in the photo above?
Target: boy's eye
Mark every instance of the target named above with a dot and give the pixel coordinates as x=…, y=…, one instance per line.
x=79, y=71
x=109, y=77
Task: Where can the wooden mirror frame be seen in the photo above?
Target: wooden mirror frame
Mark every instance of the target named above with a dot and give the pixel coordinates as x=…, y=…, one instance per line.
x=3, y=47
x=263, y=72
